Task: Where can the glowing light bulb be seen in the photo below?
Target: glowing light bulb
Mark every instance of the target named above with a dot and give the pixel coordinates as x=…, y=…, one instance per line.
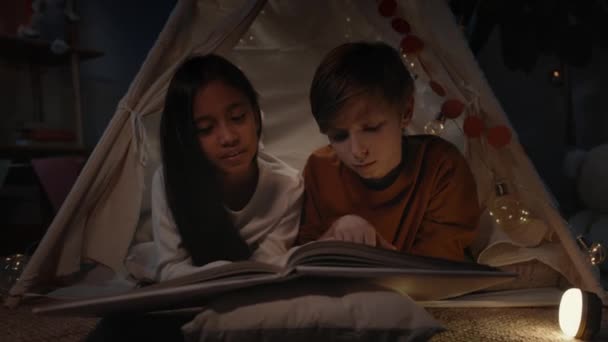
x=435, y=127
x=596, y=252
x=10, y=270
x=557, y=77
x=506, y=210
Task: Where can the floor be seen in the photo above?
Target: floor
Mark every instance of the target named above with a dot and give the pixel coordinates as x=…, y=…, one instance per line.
x=462, y=324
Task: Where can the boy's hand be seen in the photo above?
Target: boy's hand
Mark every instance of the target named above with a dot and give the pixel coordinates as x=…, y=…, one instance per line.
x=353, y=228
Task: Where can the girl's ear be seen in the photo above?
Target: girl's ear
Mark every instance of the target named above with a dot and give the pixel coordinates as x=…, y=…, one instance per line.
x=407, y=113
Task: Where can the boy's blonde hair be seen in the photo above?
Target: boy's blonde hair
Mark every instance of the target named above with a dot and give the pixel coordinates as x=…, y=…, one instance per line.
x=358, y=68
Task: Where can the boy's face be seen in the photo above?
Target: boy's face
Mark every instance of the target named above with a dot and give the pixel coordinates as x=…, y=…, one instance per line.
x=366, y=135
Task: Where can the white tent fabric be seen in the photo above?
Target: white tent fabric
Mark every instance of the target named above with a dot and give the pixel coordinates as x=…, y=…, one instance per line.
x=278, y=44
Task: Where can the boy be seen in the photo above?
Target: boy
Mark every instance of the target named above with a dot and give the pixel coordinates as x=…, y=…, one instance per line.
x=372, y=184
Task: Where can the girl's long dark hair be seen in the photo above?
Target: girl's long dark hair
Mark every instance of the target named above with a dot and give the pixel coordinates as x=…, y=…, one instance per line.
x=191, y=188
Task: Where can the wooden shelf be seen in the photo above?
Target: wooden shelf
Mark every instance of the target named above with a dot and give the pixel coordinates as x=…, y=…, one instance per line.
x=37, y=51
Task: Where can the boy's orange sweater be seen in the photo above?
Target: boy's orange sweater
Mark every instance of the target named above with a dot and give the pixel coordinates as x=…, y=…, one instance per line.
x=434, y=197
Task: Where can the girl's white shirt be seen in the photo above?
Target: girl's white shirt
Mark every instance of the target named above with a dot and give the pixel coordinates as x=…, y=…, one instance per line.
x=269, y=222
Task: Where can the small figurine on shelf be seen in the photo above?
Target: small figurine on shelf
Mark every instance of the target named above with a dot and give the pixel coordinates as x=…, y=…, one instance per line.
x=40, y=10
x=69, y=10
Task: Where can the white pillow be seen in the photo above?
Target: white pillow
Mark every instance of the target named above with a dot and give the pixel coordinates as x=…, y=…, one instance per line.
x=309, y=310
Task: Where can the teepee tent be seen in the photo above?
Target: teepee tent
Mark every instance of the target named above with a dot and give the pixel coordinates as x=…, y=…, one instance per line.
x=279, y=44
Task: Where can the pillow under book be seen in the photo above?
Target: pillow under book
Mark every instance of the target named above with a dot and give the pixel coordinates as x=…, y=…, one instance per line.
x=309, y=310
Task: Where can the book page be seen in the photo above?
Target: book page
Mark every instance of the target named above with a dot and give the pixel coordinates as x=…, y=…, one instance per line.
x=422, y=278
x=419, y=284
x=211, y=279
x=346, y=254
x=152, y=299
x=222, y=270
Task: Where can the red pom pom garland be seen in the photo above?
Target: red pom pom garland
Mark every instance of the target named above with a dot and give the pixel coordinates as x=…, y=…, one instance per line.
x=411, y=44
x=452, y=108
x=498, y=136
x=387, y=8
x=401, y=26
x=473, y=126
x=437, y=88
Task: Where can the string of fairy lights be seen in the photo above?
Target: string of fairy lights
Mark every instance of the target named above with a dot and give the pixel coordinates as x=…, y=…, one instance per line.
x=504, y=206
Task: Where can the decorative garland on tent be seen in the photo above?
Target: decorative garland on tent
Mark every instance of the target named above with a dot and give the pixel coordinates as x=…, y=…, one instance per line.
x=505, y=208
x=411, y=45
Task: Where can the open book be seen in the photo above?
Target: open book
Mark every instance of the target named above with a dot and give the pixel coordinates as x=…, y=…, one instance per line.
x=422, y=278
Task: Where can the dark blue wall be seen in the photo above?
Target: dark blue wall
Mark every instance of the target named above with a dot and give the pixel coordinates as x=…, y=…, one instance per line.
x=538, y=110
x=125, y=31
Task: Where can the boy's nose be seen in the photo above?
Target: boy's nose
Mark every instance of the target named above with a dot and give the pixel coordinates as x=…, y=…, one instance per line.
x=359, y=150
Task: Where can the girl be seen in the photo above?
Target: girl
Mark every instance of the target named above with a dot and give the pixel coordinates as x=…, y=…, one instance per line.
x=216, y=197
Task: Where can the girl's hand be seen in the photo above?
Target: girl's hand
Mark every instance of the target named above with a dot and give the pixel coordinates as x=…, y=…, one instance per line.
x=353, y=228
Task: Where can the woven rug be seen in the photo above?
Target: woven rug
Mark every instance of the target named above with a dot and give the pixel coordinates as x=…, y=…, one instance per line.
x=21, y=325
x=489, y=324
x=504, y=324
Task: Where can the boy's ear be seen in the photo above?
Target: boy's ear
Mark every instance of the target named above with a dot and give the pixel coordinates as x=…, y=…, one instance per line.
x=407, y=113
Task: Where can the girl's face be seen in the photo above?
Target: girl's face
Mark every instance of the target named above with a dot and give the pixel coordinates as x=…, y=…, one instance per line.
x=227, y=127
x=366, y=135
